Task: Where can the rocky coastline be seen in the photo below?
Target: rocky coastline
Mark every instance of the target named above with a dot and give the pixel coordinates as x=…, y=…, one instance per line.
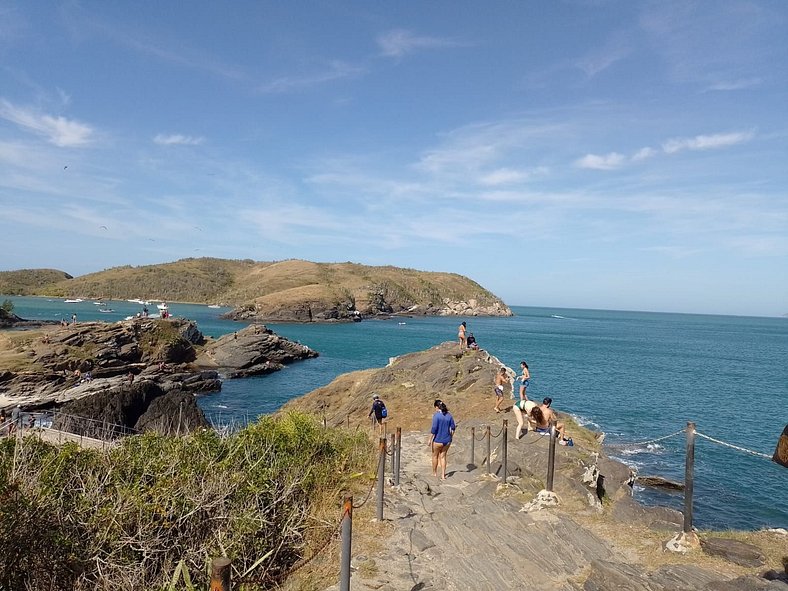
x=142, y=373
x=590, y=535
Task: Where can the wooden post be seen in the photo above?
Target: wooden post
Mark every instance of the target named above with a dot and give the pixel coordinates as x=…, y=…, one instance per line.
x=348, y=420
x=220, y=574
x=489, y=437
x=347, y=533
x=381, y=477
x=551, y=458
x=393, y=452
x=398, y=456
x=473, y=445
x=505, y=447
x=689, y=481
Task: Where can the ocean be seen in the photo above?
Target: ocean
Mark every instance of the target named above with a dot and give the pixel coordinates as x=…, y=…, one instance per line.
x=634, y=375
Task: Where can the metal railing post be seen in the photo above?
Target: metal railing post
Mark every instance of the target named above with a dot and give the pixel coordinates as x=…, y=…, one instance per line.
x=505, y=448
x=347, y=533
x=551, y=458
x=489, y=437
x=381, y=477
x=689, y=483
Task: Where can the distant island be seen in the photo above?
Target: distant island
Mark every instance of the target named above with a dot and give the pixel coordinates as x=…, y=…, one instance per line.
x=284, y=291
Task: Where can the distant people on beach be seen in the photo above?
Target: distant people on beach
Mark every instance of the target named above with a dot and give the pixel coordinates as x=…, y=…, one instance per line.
x=441, y=433
x=461, y=336
x=73, y=319
x=471, y=342
x=501, y=380
x=378, y=413
x=525, y=378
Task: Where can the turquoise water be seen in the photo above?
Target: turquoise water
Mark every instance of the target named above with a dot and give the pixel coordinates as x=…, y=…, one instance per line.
x=634, y=375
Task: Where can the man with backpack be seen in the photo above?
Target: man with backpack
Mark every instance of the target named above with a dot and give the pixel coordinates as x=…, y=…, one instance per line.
x=379, y=412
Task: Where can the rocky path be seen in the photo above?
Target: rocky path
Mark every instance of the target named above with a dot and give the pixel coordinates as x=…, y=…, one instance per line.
x=469, y=533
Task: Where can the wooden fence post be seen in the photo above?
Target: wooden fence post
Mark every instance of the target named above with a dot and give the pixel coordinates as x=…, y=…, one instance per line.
x=689, y=481
x=220, y=574
x=551, y=458
x=505, y=448
x=381, y=477
x=347, y=533
x=489, y=437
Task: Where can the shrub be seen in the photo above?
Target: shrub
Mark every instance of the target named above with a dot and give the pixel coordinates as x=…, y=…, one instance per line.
x=125, y=518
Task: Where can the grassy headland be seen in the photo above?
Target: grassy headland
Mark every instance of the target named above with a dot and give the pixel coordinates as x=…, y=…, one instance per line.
x=291, y=289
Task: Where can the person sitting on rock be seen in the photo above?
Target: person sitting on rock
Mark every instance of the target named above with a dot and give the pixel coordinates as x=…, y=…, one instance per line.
x=471, y=342
x=550, y=416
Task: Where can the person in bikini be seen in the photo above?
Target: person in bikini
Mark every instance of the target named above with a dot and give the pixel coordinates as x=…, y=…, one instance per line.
x=524, y=380
x=501, y=379
x=461, y=336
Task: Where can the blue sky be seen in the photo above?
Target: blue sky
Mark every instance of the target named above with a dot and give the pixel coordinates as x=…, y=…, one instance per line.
x=579, y=153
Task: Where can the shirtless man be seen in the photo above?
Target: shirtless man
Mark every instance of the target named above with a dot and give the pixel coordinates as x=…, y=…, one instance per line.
x=550, y=416
x=461, y=336
x=501, y=379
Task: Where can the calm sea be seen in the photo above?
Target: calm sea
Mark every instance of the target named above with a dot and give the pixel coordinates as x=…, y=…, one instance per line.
x=633, y=375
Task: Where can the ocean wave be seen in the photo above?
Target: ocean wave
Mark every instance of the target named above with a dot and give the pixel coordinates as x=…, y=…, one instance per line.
x=584, y=422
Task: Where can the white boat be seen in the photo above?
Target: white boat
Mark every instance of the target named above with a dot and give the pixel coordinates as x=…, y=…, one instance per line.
x=162, y=306
x=99, y=304
x=136, y=301
x=74, y=301
x=214, y=306
x=106, y=310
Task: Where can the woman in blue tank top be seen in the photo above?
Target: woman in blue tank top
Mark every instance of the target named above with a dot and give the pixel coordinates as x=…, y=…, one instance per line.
x=442, y=431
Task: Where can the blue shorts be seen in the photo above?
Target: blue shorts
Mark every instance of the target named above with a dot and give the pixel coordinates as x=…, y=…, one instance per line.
x=525, y=383
x=499, y=391
x=543, y=431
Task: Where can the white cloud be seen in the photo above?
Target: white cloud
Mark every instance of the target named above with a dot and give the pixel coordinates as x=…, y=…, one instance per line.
x=735, y=84
x=643, y=154
x=176, y=139
x=614, y=51
x=62, y=132
x=706, y=142
x=609, y=161
x=398, y=42
x=335, y=70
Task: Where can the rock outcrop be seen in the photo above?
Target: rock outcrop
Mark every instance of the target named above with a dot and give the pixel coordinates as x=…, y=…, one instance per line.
x=254, y=350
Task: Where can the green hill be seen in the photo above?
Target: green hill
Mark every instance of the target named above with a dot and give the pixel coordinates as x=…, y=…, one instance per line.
x=29, y=281
x=285, y=290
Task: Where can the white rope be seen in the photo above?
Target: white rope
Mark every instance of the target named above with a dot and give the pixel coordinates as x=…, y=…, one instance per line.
x=736, y=447
x=645, y=442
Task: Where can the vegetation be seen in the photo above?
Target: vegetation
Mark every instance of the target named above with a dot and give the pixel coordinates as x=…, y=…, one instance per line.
x=130, y=517
x=271, y=287
x=29, y=281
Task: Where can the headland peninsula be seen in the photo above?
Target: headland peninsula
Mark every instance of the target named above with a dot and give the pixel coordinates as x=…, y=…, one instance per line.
x=283, y=291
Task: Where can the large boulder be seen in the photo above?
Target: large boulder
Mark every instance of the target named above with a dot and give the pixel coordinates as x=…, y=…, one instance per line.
x=254, y=350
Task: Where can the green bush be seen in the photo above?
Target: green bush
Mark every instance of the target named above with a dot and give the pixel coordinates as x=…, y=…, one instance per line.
x=125, y=518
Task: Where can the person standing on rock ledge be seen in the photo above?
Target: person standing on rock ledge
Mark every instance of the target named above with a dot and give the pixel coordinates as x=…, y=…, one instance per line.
x=461, y=336
x=501, y=379
x=441, y=433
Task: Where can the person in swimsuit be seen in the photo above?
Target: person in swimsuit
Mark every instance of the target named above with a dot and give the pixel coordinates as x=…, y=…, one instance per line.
x=524, y=379
x=461, y=336
x=501, y=379
x=522, y=412
x=541, y=423
x=550, y=416
x=441, y=433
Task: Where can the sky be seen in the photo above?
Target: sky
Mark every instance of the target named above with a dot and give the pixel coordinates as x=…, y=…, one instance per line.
x=569, y=153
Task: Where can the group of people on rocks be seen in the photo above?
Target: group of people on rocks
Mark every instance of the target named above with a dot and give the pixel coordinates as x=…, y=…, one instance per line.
x=531, y=416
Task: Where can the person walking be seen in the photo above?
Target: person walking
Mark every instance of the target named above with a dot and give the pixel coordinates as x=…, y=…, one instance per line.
x=378, y=412
x=441, y=433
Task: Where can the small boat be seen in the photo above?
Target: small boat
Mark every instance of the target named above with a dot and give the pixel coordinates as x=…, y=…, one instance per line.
x=214, y=306
x=162, y=306
x=106, y=310
x=74, y=301
x=99, y=304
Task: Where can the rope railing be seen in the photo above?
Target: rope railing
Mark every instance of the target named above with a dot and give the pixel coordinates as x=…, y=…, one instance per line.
x=647, y=442
x=732, y=446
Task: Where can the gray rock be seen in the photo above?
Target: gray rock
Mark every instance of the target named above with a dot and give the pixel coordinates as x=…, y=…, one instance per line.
x=734, y=551
x=613, y=576
x=746, y=583
x=420, y=541
x=684, y=577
